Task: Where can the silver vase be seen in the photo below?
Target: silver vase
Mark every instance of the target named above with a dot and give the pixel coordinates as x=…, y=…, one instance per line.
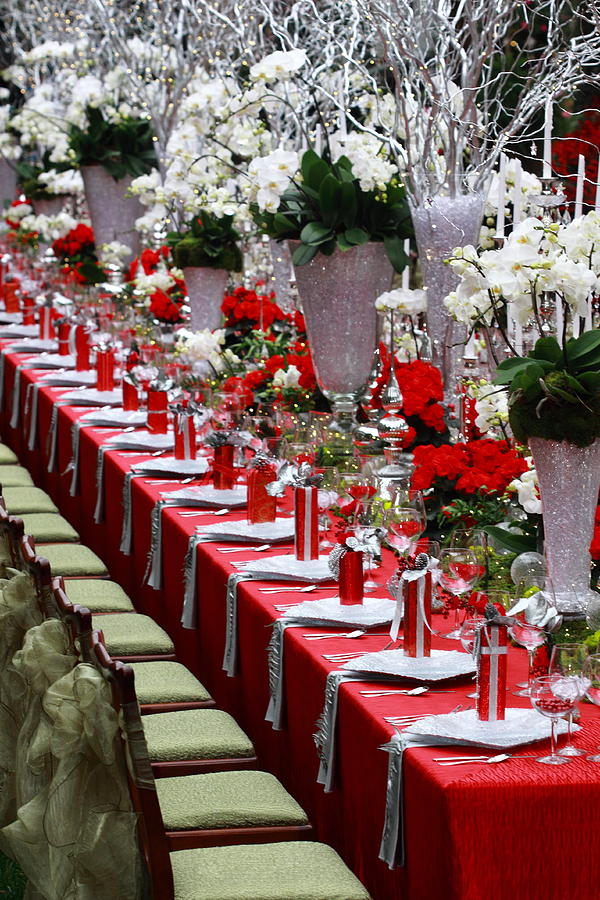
x=49, y=206
x=444, y=222
x=113, y=214
x=338, y=294
x=205, y=289
x=282, y=272
x=8, y=183
x=569, y=481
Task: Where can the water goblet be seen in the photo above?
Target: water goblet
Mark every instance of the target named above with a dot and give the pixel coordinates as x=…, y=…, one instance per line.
x=368, y=528
x=405, y=519
x=527, y=587
x=591, y=682
x=569, y=659
x=476, y=541
x=468, y=631
x=458, y=574
x=555, y=696
x=327, y=496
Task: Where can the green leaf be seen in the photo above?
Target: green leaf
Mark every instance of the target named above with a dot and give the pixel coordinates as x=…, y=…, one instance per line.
x=329, y=200
x=547, y=348
x=357, y=236
x=315, y=170
x=516, y=543
x=394, y=247
x=343, y=243
x=590, y=380
x=348, y=205
x=303, y=254
x=577, y=350
x=315, y=233
x=282, y=225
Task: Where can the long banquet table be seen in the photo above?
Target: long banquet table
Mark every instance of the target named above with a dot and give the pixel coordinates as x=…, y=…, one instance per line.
x=475, y=832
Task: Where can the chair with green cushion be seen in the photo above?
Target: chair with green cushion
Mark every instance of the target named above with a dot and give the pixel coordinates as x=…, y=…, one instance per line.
x=22, y=500
x=7, y=457
x=99, y=595
x=163, y=686
x=49, y=528
x=132, y=636
x=72, y=560
x=15, y=476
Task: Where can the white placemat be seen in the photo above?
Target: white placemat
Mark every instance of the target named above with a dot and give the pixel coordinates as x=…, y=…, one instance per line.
x=440, y=665
x=17, y=330
x=373, y=611
x=521, y=726
x=117, y=418
x=288, y=568
x=51, y=361
x=68, y=379
x=261, y=532
x=206, y=495
x=168, y=465
x=141, y=440
x=34, y=345
x=93, y=397
x=7, y=318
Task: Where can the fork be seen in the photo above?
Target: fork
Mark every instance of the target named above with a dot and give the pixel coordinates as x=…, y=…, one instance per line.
x=336, y=634
x=414, y=692
x=302, y=590
x=258, y=549
x=203, y=512
x=342, y=657
x=446, y=762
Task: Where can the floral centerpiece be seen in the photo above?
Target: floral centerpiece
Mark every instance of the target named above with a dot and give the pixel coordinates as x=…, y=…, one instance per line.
x=76, y=252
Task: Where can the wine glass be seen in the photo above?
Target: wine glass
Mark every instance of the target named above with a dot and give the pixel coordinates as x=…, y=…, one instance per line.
x=459, y=570
x=405, y=520
x=476, y=541
x=327, y=496
x=591, y=684
x=468, y=631
x=555, y=696
x=530, y=636
x=568, y=659
x=367, y=525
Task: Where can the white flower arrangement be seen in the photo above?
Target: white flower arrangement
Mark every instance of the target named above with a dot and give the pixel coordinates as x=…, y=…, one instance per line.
x=50, y=228
x=407, y=301
x=67, y=182
x=113, y=253
x=155, y=281
x=527, y=489
x=270, y=176
x=287, y=378
x=491, y=405
x=278, y=66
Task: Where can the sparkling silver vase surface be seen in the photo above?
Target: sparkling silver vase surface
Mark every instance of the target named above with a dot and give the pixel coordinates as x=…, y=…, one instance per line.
x=205, y=288
x=113, y=214
x=338, y=294
x=441, y=224
x=49, y=206
x=8, y=183
x=569, y=480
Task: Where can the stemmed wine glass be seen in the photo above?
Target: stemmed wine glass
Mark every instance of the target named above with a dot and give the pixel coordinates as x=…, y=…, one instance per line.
x=591, y=685
x=568, y=659
x=367, y=525
x=468, y=630
x=459, y=571
x=476, y=541
x=405, y=520
x=555, y=696
x=327, y=496
x=530, y=636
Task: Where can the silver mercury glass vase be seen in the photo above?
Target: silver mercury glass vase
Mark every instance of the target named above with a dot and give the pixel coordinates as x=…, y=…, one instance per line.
x=447, y=220
x=569, y=481
x=205, y=289
x=113, y=214
x=8, y=183
x=338, y=294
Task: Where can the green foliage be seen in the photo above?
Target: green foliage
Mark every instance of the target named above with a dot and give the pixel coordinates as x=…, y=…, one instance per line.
x=121, y=148
x=328, y=209
x=555, y=392
x=12, y=880
x=209, y=241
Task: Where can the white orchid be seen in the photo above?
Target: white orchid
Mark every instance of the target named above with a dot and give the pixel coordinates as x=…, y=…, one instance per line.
x=287, y=378
x=271, y=176
x=527, y=489
x=278, y=65
x=405, y=300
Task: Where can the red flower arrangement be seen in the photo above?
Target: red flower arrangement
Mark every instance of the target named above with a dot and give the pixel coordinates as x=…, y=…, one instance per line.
x=585, y=139
x=247, y=308
x=483, y=466
x=76, y=251
x=164, y=305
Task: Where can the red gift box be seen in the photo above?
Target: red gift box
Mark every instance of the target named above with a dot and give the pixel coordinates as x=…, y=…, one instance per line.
x=223, y=471
x=28, y=307
x=82, y=348
x=157, y=420
x=105, y=368
x=262, y=507
x=351, y=578
x=131, y=397
x=185, y=437
x=416, y=594
x=306, y=513
x=46, y=319
x=491, y=672
x=11, y=299
x=64, y=334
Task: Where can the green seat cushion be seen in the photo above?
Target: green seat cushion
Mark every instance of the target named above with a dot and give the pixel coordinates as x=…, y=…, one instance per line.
x=7, y=457
x=98, y=595
x=226, y=800
x=131, y=634
x=15, y=476
x=294, y=870
x=195, y=734
x=49, y=527
x=167, y=682
x=71, y=559
x=22, y=500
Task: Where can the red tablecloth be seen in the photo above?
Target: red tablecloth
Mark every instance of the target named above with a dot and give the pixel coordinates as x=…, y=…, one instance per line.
x=472, y=833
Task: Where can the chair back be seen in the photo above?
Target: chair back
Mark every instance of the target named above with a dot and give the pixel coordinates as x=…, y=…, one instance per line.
x=40, y=573
x=11, y=534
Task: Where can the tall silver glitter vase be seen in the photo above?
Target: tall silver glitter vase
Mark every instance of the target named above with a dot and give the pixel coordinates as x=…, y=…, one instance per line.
x=445, y=221
x=205, y=289
x=569, y=481
x=113, y=214
x=338, y=294
x=8, y=183
x=49, y=206
x=282, y=272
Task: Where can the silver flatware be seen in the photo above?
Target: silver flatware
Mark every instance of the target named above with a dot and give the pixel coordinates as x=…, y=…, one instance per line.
x=360, y=632
x=258, y=549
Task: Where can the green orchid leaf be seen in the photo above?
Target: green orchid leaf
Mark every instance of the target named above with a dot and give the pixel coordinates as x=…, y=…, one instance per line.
x=303, y=254
x=356, y=236
x=516, y=543
x=329, y=200
x=315, y=233
x=547, y=348
x=394, y=247
x=584, y=346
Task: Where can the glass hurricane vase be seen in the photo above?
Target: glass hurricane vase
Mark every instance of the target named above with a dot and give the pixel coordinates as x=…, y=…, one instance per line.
x=205, y=289
x=569, y=480
x=451, y=218
x=338, y=294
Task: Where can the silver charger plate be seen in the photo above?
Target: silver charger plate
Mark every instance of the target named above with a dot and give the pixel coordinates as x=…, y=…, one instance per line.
x=93, y=397
x=440, y=665
x=208, y=496
x=141, y=440
x=260, y=532
x=521, y=726
x=68, y=379
x=288, y=568
x=117, y=418
x=373, y=611
x=170, y=466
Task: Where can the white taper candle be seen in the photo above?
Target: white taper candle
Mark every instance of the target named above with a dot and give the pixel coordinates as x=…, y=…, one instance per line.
x=548, y=140
x=579, y=186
